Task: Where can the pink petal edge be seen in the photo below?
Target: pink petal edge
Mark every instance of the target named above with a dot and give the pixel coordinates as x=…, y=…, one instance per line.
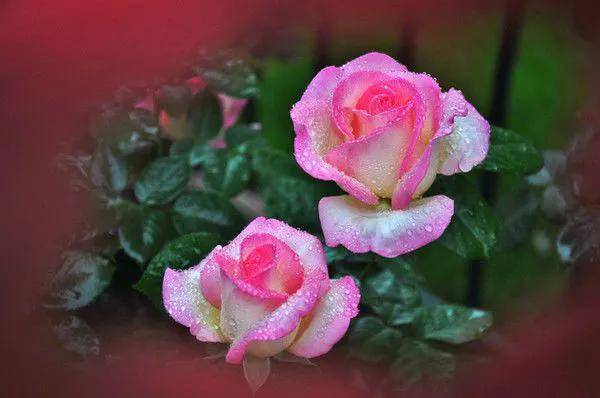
x=185, y=304
x=388, y=233
x=329, y=320
x=467, y=145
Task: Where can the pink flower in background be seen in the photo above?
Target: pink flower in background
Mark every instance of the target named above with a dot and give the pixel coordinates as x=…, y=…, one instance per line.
x=178, y=127
x=383, y=133
x=266, y=292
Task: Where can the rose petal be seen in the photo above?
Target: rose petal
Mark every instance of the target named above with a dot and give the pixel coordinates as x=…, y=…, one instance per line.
x=315, y=136
x=210, y=279
x=373, y=62
x=375, y=160
x=329, y=320
x=231, y=108
x=184, y=302
x=346, y=95
x=286, y=274
x=306, y=246
x=387, y=232
x=466, y=146
x=408, y=183
x=231, y=268
x=240, y=311
x=323, y=84
x=453, y=106
x=277, y=330
x=430, y=93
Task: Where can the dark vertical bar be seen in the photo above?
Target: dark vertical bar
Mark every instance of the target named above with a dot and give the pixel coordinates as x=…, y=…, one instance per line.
x=513, y=21
x=408, y=41
x=323, y=45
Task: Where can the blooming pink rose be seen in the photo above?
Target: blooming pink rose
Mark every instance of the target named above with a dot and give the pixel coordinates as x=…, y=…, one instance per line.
x=382, y=133
x=265, y=292
x=178, y=127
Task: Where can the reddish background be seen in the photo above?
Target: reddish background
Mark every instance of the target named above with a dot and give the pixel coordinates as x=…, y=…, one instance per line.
x=61, y=58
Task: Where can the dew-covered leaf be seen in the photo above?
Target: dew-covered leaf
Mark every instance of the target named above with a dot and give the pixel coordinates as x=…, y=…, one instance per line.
x=143, y=231
x=473, y=229
x=108, y=170
x=162, y=180
x=181, y=253
x=510, y=152
x=452, y=323
x=205, y=115
x=232, y=76
x=206, y=211
x=394, y=301
x=80, y=279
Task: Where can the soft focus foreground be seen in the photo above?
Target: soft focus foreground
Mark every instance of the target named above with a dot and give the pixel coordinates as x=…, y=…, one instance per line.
x=64, y=61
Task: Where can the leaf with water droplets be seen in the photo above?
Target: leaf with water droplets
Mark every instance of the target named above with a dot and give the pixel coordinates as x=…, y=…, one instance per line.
x=452, y=323
x=178, y=254
x=510, y=152
x=256, y=371
x=162, y=180
x=393, y=300
x=472, y=232
x=80, y=279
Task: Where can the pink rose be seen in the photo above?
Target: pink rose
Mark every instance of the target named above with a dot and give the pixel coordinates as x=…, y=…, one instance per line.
x=178, y=127
x=265, y=292
x=382, y=133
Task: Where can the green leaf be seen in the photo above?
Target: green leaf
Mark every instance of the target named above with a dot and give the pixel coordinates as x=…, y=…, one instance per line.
x=418, y=362
x=338, y=253
x=239, y=134
x=452, y=323
x=181, y=253
x=289, y=194
x=232, y=76
x=206, y=211
x=205, y=115
x=394, y=301
x=401, y=268
x=108, y=170
x=510, y=152
x=211, y=159
x=236, y=175
x=162, y=180
x=293, y=200
x=224, y=171
x=143, y=231
x=371, y=340
x=271, y=163
x=80, y=279
x=472, y=232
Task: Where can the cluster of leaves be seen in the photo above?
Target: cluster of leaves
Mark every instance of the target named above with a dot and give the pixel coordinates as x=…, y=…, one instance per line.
x=168, y=203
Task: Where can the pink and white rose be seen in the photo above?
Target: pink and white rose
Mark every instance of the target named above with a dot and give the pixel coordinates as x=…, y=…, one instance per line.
x=265, y=292
x=382, y=134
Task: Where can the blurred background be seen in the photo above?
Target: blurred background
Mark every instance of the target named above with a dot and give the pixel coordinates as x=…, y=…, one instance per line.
x=528, y=66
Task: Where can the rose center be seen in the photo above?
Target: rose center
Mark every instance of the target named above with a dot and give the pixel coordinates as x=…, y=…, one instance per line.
x=259, y=260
